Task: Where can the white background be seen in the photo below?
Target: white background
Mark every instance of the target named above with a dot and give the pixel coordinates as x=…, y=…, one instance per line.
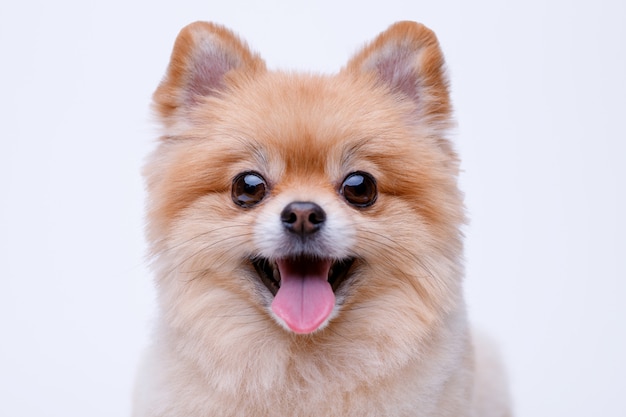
x=540, y=94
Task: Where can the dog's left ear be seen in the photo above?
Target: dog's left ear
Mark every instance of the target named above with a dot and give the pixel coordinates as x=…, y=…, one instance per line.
x=407, y=59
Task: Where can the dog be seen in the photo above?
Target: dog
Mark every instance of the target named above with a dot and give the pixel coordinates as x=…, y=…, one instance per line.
x=304, y=232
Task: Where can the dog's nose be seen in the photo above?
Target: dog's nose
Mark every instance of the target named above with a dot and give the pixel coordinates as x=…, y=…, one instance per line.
x=303, y=217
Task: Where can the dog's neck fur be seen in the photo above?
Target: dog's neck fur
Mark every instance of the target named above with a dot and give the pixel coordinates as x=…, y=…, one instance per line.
x=436, y=382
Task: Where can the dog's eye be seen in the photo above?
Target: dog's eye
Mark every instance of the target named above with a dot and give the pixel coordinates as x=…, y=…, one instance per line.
x=359, y=189
x=249, y=188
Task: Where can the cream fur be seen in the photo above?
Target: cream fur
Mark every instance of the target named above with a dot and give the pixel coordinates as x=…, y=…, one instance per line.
x=397, y=342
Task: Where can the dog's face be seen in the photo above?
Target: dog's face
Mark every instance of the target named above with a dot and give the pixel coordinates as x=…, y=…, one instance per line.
x=286, y=203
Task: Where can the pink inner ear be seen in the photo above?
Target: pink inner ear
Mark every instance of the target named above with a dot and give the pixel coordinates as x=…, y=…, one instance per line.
x=210, y=65
x=397, y=69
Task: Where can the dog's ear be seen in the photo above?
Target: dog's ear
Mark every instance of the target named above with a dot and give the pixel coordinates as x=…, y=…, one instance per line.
x=203, y=56
x=407, y=59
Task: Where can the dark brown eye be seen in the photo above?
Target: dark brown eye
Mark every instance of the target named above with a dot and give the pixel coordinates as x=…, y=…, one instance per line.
x=249, y=188
x=359, y=189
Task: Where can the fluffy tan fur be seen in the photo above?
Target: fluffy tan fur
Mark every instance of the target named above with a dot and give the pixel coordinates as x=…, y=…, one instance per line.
x=398, y=342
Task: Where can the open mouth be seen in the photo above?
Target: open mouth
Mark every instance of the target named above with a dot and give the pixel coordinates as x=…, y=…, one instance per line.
x=270, y=275
x=303, y=288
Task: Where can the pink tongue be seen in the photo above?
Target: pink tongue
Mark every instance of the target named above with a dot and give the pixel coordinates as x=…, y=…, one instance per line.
x=305, y=299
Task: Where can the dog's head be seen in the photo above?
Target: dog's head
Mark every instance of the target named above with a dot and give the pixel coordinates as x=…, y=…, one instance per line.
x=321, y=203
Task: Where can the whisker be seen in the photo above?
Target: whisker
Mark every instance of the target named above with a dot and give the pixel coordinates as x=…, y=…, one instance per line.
x=203, y=234
x=398, y=247
x=207, y=247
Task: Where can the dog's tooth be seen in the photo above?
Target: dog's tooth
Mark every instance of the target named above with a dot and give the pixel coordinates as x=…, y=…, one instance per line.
x=275, y=273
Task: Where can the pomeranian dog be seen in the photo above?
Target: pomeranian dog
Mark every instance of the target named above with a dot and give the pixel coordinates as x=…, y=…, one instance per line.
x=305, y=234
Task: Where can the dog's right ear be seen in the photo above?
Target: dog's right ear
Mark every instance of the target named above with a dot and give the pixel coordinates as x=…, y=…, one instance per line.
x=407, y=59
x=203, y=55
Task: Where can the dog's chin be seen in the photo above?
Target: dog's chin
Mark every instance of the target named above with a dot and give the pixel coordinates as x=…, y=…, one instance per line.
x=269, y=275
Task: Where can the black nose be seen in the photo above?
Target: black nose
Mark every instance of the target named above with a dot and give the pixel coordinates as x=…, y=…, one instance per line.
x=303, y=217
